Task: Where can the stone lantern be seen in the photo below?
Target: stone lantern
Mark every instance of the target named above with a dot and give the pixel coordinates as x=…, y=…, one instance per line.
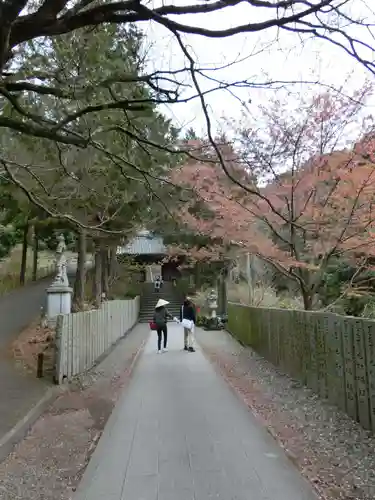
x=212, y=302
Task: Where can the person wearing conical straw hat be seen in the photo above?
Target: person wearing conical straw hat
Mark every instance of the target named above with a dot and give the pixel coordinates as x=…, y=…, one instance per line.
x=161, y=316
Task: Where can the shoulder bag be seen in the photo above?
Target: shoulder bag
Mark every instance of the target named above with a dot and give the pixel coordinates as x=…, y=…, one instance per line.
x=186, y=323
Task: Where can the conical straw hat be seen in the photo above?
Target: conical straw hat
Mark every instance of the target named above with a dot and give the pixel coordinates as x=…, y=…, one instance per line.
x=161, y=303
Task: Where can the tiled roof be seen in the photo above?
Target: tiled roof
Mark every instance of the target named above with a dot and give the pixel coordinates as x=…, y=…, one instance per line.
x=144, y=245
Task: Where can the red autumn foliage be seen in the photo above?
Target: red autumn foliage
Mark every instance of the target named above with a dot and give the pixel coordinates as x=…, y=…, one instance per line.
x=315, y=201
x=229, y=221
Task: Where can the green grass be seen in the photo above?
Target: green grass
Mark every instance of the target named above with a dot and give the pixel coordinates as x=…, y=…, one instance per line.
x=10, y=268
x=124, y=286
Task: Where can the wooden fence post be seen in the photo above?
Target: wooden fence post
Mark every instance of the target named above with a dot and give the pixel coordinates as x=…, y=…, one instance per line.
x=40, y=364
x=57, y=354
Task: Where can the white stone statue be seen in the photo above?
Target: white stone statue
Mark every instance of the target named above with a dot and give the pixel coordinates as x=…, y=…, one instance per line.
x=61, y=264
x=59, y=294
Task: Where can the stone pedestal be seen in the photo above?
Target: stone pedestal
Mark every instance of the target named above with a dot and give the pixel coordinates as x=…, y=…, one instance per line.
x=59, y=301
x=212, y=303
x=213, y=308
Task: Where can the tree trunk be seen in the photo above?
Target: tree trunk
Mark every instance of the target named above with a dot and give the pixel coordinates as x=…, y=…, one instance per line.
x=197, y=276
x=250, y=284
x=35, y=254
x=25, y=244
x=105, y=278
x=112, y=262
x=80, y=280
x=222, y=294
x=97, y=291
x=307, y=299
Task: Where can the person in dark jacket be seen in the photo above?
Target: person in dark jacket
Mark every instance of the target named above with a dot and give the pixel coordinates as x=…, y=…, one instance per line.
x=157, y=284
x=187, y=312
x=160, y=318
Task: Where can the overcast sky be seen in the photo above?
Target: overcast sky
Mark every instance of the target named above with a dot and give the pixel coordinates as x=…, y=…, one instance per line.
x=268, y=54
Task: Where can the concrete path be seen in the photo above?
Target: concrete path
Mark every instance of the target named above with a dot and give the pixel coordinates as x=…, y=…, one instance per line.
x=20, y=307
x=180, y=433
x=19, y=389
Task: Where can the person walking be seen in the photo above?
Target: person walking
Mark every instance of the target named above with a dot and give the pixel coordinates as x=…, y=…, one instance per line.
x=188, y=320
x=161, y=316
x=157, y=284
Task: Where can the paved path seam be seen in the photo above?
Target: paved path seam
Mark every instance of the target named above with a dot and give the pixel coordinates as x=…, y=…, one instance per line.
x=179, y=432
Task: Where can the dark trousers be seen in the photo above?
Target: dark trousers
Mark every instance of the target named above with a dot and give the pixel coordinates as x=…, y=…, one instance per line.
x=162, y=332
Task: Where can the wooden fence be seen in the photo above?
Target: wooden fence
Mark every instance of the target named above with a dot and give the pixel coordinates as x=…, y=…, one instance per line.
x=81, y=338
x=333, y=355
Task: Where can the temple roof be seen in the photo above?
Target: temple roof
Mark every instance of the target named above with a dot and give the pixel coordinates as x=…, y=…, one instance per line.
x=145, y=243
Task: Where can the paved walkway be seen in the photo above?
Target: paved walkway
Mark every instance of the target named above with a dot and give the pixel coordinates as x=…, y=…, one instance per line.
x=19, y=389
x=180, y=433
x=19, y=308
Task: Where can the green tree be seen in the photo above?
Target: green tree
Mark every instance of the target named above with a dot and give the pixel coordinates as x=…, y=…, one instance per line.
x=107, y=189
x=29, y=25
x=130, y=147
x=191, y=135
